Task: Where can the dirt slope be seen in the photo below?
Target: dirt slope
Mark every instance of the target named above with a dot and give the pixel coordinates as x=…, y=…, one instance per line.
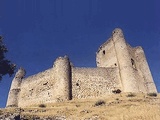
x=127, y=106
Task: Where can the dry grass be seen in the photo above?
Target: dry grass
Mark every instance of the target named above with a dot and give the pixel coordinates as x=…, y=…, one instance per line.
x=116, y=107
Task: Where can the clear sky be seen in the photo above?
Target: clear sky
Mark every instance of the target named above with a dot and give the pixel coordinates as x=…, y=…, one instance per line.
x=36, y=32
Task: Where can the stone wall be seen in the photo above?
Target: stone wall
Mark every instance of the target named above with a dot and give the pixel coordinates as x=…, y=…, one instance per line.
x=119, y=66
x=144, y=70
x=141, y=69
x=44, y=87
x=94, y=82
x=136, y=68
x=52, y=85
x=106, y=55
x=38, y=89
x=127, y=72
x=133, y=68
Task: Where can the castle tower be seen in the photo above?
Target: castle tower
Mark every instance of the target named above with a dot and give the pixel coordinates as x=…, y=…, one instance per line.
x=133, y=68
x=125, y=62
x=144, y=68
x=115, y=52
x=15, y=88
x=63, y=78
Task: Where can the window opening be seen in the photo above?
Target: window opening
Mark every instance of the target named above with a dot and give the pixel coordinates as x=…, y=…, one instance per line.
x=77, y=84
x=133, y=63
x=104, y=52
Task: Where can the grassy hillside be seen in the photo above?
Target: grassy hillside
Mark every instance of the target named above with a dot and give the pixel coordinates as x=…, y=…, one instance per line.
x=126, y=106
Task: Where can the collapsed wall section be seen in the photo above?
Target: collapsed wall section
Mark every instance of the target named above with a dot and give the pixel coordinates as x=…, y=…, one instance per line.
x=37, y=89
x=94, y=82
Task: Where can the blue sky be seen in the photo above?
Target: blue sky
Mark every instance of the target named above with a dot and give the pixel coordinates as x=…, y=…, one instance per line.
x=36, y=32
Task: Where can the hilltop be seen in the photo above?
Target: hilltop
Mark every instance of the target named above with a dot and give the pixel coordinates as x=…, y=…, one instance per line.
x=125, y=106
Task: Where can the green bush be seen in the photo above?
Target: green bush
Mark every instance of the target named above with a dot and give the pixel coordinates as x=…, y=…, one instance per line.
x=42, y=105
x=152, y=94
x=131, y=95
x=99, y=103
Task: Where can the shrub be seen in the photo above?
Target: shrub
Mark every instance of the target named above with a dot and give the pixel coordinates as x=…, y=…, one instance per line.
x=42, y=105
x=99, y=103
x=152, y=94
x=117, y=98
x=77, y=105
x=131, y=95
x=116, y=91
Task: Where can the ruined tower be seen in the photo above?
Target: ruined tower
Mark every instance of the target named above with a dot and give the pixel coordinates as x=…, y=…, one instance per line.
x=133, y=68
x=15, y=88
x=63, y=77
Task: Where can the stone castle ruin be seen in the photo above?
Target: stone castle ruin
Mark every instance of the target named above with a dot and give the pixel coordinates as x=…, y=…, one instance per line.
x=119, y=67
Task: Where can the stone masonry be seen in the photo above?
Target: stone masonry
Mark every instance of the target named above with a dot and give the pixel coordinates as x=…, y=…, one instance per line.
x=119, y=66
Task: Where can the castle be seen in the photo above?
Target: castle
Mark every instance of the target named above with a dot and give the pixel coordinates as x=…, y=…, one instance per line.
x=119, y=67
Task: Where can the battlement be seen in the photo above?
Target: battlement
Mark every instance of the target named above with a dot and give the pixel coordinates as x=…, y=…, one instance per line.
x=119, y=66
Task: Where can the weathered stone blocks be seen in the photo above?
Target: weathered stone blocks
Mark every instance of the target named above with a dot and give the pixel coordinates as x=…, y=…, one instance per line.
x=119, y=67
